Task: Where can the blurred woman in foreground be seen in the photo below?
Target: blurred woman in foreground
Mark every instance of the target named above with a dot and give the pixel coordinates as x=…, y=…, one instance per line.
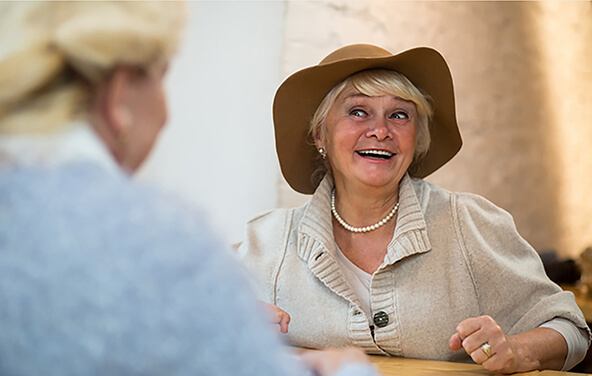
x=99, y=275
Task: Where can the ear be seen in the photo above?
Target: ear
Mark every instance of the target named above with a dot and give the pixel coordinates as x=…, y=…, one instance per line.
x=319, y=140
x=117, y=93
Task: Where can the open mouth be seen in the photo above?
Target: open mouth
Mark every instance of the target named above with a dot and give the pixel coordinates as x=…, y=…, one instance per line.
x=377, y=154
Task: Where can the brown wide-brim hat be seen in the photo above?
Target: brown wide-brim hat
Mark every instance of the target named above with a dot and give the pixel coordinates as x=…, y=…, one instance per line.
x=299, y=96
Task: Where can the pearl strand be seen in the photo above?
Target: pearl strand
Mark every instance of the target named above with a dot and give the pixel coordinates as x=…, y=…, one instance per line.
x=380, y=223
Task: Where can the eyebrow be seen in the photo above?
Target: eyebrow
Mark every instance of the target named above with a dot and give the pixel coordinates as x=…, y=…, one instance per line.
x=358, y=94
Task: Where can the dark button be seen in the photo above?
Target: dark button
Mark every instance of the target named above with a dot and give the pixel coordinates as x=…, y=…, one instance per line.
x=381, y=319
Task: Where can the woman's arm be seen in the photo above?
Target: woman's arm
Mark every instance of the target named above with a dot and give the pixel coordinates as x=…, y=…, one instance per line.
x=539, y=348
x=511, y=287
x=576, y=338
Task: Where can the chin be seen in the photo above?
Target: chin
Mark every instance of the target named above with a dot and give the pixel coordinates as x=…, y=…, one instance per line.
x=381, y=183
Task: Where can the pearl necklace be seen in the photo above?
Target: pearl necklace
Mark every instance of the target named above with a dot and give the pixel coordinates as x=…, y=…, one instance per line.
x=360, y=229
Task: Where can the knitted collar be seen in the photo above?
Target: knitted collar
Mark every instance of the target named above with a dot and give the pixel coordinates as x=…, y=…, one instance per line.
x=410, y=236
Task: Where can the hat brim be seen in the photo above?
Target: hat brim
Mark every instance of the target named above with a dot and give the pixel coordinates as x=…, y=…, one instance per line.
x=298, y=97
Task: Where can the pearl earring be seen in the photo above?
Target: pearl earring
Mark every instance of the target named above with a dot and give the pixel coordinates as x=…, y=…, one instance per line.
x=323, y=153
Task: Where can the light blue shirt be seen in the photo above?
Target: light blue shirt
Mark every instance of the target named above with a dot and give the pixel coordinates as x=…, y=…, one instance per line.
x=102, y=276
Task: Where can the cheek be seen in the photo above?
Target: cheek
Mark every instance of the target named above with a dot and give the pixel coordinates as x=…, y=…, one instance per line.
x=164, y=110
x=407, y=139
x=156, y=111
x=343, y=138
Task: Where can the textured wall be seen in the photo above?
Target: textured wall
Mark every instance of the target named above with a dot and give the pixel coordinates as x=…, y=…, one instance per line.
x=523, y=78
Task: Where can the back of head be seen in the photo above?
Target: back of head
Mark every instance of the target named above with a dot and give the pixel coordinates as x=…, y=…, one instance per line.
x=54, y=54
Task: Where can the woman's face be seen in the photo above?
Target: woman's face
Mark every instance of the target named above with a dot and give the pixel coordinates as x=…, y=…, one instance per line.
x=369, y=141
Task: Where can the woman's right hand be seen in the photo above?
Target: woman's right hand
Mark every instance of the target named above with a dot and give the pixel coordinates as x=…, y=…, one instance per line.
x=279, y=318
x=330, y=361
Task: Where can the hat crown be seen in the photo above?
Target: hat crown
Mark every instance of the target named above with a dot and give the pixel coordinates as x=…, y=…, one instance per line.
x=355, y=51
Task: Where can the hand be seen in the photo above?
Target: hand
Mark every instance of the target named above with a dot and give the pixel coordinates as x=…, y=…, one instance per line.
x=279, y=318
x=505, y=351
x=327, y=362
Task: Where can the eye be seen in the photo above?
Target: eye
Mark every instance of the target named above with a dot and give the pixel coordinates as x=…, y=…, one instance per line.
x=400, y=115
x=357, y=112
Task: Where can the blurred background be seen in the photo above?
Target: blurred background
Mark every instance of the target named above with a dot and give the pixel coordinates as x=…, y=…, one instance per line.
x=523, y=82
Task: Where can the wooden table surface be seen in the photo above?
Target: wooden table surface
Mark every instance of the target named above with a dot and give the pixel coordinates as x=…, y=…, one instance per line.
x=388, y=366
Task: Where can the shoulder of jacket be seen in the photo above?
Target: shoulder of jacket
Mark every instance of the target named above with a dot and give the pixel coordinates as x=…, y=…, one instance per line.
x=277, y=215
x=426, y=191
x=272, y=227
x=270, y=216
x=431, y=197
x=476, y=204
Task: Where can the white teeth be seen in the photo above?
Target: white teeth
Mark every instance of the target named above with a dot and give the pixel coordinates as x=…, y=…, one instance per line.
x=381, y=153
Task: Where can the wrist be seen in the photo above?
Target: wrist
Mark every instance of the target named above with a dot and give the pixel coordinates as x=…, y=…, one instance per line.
x=525, y=359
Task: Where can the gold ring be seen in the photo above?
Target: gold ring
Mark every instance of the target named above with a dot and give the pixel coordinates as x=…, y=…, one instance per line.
x=486, y=349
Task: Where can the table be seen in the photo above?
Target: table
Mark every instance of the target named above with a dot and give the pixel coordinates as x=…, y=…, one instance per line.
x=393, y=366
x=388, y=366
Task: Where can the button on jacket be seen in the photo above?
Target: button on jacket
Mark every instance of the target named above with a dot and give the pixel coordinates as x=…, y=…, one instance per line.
x=452, y=256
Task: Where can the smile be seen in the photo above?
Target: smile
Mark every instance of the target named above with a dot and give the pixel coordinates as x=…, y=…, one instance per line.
x=380, y=154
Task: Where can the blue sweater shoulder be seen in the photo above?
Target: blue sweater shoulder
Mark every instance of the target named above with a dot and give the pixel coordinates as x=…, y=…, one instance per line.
x=102, y=276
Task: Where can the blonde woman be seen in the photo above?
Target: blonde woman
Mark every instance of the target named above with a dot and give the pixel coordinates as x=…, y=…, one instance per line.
x=99, y=275
x=380, y=258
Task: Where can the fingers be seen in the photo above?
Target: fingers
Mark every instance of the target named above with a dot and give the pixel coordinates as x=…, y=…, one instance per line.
x=473, y=325
x=479, y=355
x=455, y=342
x=277, y=328
x=329, y=361
x=473, y=333
x=281, y=318
x=284, y=321
x=487, y=344
x=278, y=317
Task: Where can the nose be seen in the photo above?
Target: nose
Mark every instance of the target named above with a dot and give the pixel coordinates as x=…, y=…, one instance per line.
x=379, y=128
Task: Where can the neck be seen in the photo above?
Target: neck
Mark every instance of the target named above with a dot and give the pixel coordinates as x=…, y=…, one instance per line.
x=361, y=208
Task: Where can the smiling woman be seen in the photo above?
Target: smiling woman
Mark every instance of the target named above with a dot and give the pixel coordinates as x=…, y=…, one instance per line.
x=378, y=257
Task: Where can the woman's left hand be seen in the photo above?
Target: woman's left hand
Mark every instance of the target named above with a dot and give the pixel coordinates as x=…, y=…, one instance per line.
x=483, y=339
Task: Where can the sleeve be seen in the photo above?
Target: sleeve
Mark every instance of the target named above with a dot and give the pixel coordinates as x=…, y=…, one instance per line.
x=508, y=275
x=263, y=249
x=576, y=339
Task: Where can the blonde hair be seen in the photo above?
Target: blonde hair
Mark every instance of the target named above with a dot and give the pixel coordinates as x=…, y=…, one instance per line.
x=377, y=82
x=53, y=54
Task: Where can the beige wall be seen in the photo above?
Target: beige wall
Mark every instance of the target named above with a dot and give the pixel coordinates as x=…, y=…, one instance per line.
x=523, y=78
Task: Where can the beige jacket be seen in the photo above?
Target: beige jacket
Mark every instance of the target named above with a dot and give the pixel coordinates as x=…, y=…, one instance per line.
x=452, y=256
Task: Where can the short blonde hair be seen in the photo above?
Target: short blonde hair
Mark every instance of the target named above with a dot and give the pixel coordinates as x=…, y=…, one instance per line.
x=378, y=82
x=53, y=54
